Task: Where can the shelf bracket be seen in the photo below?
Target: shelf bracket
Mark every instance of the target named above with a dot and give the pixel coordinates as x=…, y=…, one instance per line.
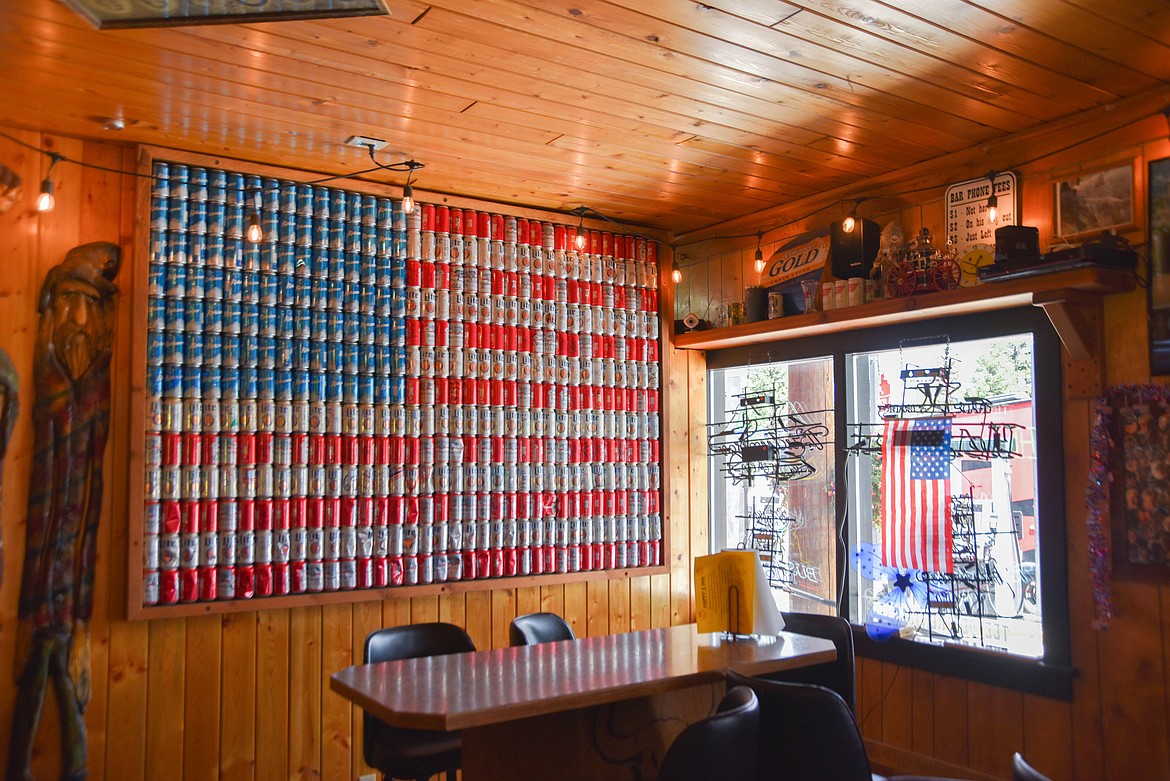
x=1076, y=316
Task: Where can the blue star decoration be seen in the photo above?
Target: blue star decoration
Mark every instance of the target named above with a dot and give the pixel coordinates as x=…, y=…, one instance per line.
x=908, y=593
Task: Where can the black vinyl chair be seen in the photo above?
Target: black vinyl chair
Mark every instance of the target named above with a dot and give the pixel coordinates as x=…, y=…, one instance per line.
x=838, y=675
x=1022, y=771
x=720, y=747
x=808, y=731
x=413, y=754
x=536, y=628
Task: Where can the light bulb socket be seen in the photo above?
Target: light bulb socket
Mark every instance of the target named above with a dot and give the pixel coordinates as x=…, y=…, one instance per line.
x=254, y=234
x=992, y=207
x=675, y=272
x=408, y=199
x=849, y=223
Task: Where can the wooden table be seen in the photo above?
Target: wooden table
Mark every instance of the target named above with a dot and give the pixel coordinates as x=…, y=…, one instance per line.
x=595, y=708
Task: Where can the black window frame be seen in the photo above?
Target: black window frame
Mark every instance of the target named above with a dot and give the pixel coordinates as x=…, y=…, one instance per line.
x=1052, y=674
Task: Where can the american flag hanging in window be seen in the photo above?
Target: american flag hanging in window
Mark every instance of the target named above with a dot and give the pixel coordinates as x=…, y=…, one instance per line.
x=916, y=494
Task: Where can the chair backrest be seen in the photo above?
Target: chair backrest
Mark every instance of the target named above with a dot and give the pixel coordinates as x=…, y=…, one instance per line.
x=406, y=642
x=415, y=640
x=536, y=628
x=1022, y=771
x=720, y=747
x=806, y=731
x=838, y=675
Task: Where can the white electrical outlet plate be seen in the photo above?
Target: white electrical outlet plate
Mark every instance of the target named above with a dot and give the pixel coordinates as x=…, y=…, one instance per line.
x=376, y=144
x=368, y=777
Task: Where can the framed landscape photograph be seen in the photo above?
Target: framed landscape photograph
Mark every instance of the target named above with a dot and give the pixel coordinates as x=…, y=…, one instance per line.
x=1095, y=202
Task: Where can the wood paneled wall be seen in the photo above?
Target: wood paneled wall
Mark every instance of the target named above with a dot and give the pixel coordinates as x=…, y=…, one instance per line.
x=244, y=696
x=1118, y=724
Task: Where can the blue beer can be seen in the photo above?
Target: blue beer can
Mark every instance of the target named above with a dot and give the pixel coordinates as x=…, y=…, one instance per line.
x=338, y=206
x=233, y=219
x=330, y=265
x=369, y=270
x=397, y=302
x=252, y=183
x=231, y=316
x=249, y=384
x=287, y=194
x=300, y=384
x=365, y=385
x=193, y=350
x=235, y=183
x=159, y=246
x=304, y=293
x=304, y=234
x=382, y=302
x=156, y=313
x=284, y=384
x=213, y=282
x=304, y=200
x=265, y=382
x=194, y=315
x=176, y=280
x=249, y=287
x=233, y=284
x=212, y=382
x=173, y=346
x=385, y=245
x=397, y=272
x=321, y=203
x=270, y=226
x=349, y=389
x=172, y=381
x=154, y=380
x=160, y=186
x=334, y=295
x=286, y=259
x=216, y=218
x=317, y=383
x=352, y=267
x=369, y=240
x=317, y=357
x=249, y=349
x=391, y=330
x=320, y=239
x=196, y=286
x=192, y=382
x=267, y=257
x=249, y=318
x=212, y=349
x=367, y=328
x=299, y=353
x=320, y=298
x=271, y=194
x=214, y=309
x=156, y=278
x=196, y=249
x=286, y=233
x=286, y=290
x=334, y=390
x=250, y=257
x=197, y=190
x=216, y=185
x=174, y=313
x=215, y=251
x=197, y=217
x=266, y=352
x=391, y=360
x=353, y=238
x=178, y=213
x=229, y=382
x=350, y=328
x=284, y=322
x=302, y=323
x=385, y=213
x=231, y=350
x=269, y=295
x=396, y=389
x=349, y=358
x=351, y=297
x=333, y=325
x=317, y=324
x=381, y=390
x=155, y=347
x=367, y=358
x=368, y=210
x=332, y=356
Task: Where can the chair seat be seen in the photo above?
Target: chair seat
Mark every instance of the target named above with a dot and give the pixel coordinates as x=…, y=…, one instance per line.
x=413, y=753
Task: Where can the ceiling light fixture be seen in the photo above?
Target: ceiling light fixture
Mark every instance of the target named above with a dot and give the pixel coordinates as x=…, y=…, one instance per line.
x=850, y=222
x=581, y=240
x=675, y=272
x=254, y=233
x=992, y=200
x=46, y=201
x=759, y=253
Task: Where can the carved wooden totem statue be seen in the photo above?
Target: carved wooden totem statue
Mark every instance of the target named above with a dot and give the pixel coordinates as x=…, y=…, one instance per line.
x=71, y=377
x=9, y=385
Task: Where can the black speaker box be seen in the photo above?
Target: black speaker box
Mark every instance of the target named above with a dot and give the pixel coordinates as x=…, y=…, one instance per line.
x=1017, y=245
x=852, y=254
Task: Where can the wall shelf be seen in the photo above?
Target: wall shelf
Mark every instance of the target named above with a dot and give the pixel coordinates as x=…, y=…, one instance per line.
x=1069, y=297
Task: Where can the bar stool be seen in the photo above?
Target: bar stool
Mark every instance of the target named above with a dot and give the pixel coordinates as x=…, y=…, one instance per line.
x=1022, y=771
x=536, y=628
x=838, y=675
x=414, y=754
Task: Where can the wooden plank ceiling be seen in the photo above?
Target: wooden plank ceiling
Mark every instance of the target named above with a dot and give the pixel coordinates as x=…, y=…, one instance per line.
x=666, y=113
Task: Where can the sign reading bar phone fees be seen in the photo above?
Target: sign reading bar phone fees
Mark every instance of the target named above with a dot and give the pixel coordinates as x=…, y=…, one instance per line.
x=968, y=222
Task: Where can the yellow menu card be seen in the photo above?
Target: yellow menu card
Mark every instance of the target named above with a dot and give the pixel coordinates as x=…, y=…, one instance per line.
x=732, y=595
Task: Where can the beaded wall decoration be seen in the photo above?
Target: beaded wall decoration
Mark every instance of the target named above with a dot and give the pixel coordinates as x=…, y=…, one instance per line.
x=366, y=398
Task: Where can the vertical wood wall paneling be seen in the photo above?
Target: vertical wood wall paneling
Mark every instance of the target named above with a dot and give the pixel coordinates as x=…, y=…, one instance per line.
x=272, y=695
x=202, y=703
x=165, y=696
x=897, y=705
x=922, y=716
x=950, y=719
x=237, y=713
x=336, y=711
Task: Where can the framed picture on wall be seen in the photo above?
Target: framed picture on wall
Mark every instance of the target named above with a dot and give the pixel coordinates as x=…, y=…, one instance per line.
x=1159, y=246
x=1095, y=202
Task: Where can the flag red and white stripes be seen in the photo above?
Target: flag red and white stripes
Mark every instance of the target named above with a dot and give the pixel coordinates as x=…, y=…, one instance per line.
x=916, y=495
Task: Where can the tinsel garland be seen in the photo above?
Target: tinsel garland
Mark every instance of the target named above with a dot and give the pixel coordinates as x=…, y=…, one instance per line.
x=1097, y=502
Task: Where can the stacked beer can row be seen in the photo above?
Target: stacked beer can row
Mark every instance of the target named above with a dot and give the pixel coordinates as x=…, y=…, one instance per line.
x=362, y=400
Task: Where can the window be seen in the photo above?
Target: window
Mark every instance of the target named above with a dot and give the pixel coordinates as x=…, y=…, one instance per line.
x=968, y=408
